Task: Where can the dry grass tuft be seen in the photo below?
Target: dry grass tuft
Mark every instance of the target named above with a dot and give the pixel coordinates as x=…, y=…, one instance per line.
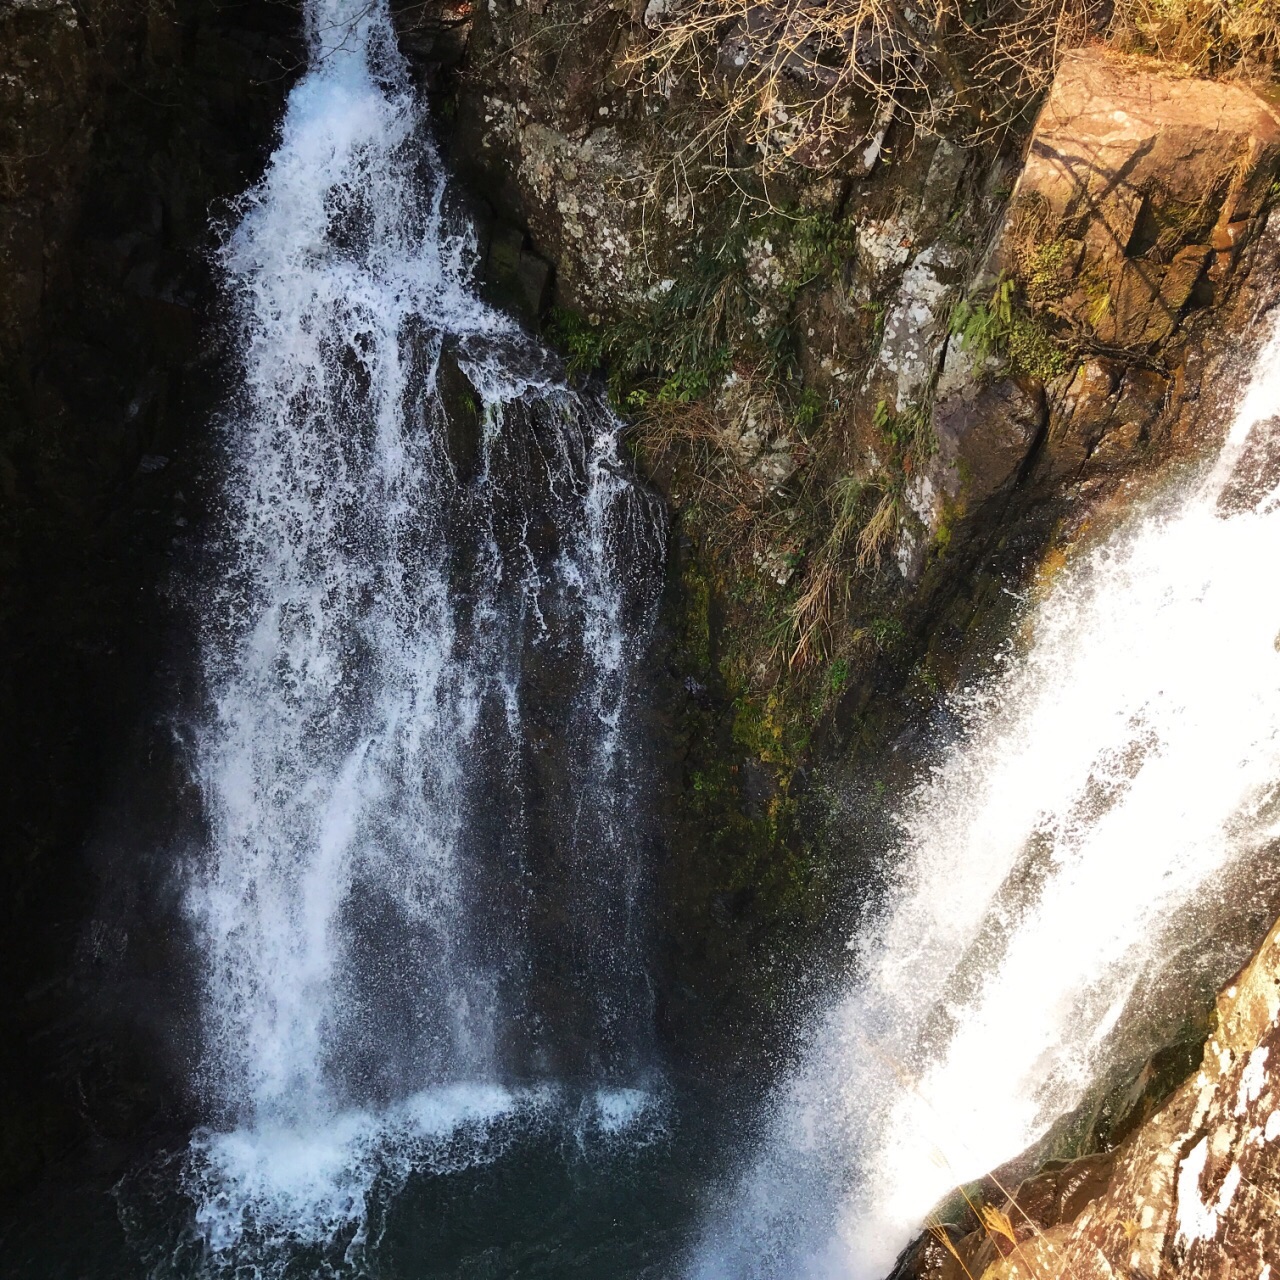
x=862, y=519
x=943, y=1237
x=701, y=442
x=1208, y=37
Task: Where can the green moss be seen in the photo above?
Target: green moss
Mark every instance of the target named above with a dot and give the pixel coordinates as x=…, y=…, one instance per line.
x=696, y=634
x=876, y=311
x=583, y=344
x=980, y=324
x=746, y=887
x=1165, y=225
x=1097, y=293
x=887, y=633
x=1032, y=350
x=1044, y=271
x=837, y=677
x=908, y=435
x=815, y=246
x=928, y=679
x=1004, y=329
x=767, y=728
x=810, y=411
x=943, y=533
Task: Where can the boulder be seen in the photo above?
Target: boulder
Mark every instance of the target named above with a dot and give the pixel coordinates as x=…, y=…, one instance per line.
x=1255, y=473
x=1138, y=190
x=514, y=275
x=985, y=432
x=985, y=429
x=1105, y=414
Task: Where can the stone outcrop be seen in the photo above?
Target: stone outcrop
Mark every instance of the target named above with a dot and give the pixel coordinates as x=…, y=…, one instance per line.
x=1135, y=197
x=1192, y=1195
x=1138, y=194
x=547, y=134
x=1138, y=189
x=978, y=462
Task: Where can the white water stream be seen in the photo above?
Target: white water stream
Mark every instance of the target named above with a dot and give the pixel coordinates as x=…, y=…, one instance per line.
x=431, y=561
x=1114, y=797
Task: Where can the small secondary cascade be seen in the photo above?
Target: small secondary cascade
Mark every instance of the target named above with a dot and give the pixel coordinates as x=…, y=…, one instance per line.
x=417, y=759
x=1112, y=802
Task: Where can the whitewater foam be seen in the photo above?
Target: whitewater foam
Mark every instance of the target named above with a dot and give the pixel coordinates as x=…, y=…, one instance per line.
x=283, y=1185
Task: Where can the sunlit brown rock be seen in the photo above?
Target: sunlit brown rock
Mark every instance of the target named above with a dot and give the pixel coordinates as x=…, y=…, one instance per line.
x=1193, y=1194
x=1146, y=184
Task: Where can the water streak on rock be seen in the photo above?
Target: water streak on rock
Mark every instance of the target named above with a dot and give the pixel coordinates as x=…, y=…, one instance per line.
x=417, y=759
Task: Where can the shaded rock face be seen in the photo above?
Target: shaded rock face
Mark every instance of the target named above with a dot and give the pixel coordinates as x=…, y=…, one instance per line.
x=549, y=138
x=123, y=123
x=1134, y=232
x=45, y=79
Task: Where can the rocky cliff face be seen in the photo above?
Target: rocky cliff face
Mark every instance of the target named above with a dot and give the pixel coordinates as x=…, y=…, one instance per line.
x=880, y=394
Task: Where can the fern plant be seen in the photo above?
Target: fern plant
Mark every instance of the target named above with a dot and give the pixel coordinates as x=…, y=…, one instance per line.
x=1001, y=328
x=983, y=327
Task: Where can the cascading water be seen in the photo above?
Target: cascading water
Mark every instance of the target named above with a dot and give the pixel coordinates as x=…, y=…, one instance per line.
x=1114, y=797
x=437, y=584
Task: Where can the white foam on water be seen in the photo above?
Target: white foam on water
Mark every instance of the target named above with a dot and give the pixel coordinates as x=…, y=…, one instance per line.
x=325, y=486
x=1115, y=784
x=306, y=1185
x=273, y=1189
x=268, y=1191
x=634, y=1117
x=617, y=1110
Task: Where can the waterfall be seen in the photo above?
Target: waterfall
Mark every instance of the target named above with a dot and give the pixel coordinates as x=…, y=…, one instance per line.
x=1112, y=799
x=419, y=912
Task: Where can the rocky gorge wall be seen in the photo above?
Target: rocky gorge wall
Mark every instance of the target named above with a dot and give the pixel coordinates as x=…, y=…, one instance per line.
x=879, y=396
x=883, y=395
x=924, y=375
x=1190, y=1193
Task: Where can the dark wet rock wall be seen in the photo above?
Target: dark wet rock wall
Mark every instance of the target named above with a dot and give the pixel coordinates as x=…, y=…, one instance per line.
x=125, y=127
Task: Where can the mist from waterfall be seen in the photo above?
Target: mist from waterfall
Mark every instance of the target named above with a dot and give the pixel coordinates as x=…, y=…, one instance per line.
x=419, y=912
x=1112, y=802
